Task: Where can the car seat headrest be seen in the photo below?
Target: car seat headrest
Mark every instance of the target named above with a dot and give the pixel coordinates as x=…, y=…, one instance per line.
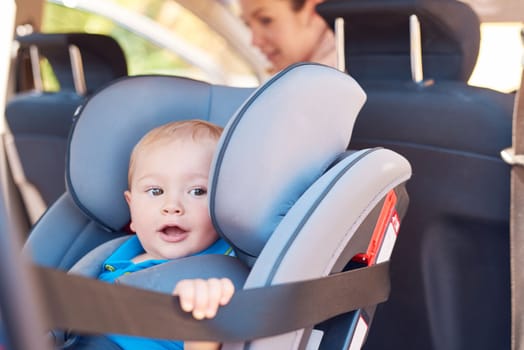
x=377, y=44
x=112, y=121
x=102, y=57
x=281, y=139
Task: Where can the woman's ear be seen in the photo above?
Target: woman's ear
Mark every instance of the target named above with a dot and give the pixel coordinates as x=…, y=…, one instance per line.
x=315, y=2
x=310, y=6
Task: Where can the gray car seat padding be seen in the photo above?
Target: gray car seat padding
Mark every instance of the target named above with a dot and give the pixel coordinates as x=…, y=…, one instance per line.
x=63, y=235
x=323, y=224
x=292, y=128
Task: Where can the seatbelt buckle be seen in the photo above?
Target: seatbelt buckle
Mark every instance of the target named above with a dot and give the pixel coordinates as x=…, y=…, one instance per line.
x=509, y=156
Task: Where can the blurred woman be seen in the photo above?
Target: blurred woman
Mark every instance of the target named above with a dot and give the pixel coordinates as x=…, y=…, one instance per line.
x=289, y=31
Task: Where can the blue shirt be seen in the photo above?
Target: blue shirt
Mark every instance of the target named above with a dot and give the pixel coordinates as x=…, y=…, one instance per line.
x=119, y=263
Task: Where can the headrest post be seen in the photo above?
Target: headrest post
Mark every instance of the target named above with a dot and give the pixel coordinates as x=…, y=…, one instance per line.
x=339, y=44
x=415, y=46
x=34, y=57
x=77, y=67
x=522, y=42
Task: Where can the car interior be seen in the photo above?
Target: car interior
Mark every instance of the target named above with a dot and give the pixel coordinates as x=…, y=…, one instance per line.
x=449, y=270
x=453, y=253
x=280, y=220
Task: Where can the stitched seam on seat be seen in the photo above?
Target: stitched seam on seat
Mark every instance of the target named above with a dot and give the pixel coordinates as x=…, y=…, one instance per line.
x=363, y=214
x=237, y=119
x=310, y=211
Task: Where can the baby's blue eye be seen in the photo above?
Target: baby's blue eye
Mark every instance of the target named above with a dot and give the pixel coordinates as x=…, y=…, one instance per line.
x=198, y=192
x=155, y=191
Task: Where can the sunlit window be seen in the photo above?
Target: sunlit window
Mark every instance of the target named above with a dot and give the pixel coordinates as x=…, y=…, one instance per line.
x=219, y=63
x=500, y=57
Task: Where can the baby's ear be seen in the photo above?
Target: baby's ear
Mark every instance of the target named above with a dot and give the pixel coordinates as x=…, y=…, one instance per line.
x=127, y=196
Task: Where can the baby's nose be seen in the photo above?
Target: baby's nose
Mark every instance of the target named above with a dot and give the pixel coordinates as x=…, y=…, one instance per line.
x=173, y=207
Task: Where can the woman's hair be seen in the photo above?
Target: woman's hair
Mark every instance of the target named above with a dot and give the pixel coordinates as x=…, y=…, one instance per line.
x=297, y=5
x=194, y=129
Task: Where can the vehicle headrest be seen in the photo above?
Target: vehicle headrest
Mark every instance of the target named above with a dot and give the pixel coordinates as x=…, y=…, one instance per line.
x=377, y=37
x=280, y=140
x=102, y=57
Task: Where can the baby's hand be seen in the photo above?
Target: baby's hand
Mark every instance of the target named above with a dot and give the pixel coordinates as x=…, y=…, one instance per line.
x=203, y=297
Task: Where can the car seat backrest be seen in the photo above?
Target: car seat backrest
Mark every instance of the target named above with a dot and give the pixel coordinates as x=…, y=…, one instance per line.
x=452, y=134
x=39, y=124
x=459, y=211
x=377, y=39
x=39, y=121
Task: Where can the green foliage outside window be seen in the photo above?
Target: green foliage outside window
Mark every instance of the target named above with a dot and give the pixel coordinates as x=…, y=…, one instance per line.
x=142, y=57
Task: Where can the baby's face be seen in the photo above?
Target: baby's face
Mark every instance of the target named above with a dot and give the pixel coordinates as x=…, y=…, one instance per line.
x=168, y=198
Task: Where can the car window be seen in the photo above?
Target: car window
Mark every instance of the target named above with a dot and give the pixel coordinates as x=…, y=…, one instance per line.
x=500, y=57
x=211, y=58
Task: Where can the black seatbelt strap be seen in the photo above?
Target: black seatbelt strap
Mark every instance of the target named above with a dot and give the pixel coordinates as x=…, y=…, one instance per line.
x=88, y=306
x=515, y=157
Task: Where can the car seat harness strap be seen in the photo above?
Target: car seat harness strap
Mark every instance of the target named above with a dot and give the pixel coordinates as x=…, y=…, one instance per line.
x=90, y=306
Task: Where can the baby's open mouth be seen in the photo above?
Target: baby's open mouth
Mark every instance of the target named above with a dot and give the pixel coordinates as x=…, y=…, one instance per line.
x=173, y=233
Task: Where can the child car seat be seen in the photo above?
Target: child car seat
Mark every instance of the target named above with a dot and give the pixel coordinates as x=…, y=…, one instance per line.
x=39, y=121
x=452, y=134
x=283, y=190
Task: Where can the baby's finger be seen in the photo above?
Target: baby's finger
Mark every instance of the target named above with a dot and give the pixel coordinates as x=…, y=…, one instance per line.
x=185, y=289
x=214, y=296
x=228, y=289
x=200, y=298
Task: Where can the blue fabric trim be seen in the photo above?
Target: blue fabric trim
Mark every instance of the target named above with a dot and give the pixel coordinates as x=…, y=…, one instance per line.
x=119, y=263
x=127, y=342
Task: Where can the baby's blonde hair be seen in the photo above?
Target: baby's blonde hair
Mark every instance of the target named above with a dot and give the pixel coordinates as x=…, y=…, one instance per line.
x=195, y=129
